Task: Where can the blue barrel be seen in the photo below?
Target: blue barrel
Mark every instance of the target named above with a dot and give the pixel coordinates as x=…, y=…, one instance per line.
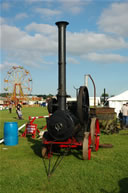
x=10, y=133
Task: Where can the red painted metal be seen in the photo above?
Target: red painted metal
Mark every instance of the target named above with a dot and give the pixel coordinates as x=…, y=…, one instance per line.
x=32, y=119
x=89, y=147
x=97, y=135
x=70, y=143
x=30, y=129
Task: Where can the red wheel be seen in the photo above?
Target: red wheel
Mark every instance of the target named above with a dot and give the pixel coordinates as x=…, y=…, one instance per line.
x=92, y=131
x=97, y=135
x=87, y=146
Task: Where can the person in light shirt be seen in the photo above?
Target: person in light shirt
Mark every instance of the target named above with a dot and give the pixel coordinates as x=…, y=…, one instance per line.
x=124, y=111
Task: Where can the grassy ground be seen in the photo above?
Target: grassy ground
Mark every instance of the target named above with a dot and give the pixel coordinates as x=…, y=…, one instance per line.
x=22, y=169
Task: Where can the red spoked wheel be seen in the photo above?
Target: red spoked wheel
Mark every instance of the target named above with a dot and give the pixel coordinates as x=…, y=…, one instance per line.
x=97, y=135
x=87, y=146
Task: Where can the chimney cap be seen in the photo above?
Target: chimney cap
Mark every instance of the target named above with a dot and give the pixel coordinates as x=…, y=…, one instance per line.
x=58, y=23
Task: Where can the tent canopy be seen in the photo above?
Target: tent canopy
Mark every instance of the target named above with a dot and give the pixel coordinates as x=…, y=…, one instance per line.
x=121, y=97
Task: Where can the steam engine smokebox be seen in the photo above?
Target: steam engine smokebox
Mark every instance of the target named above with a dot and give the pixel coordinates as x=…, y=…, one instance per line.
x=61, y=125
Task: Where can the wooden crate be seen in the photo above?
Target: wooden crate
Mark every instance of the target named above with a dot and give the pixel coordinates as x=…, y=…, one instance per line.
x=103, y=113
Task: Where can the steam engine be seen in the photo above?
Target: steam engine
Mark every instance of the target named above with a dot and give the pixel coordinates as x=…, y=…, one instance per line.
x=67, y=119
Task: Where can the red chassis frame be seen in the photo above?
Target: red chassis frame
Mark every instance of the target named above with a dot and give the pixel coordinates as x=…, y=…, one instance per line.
x=70, y=143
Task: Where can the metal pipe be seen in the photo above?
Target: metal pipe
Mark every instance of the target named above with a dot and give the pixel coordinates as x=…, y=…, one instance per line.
x=88, y=75
x=86, y=80
x=62, y=64
x=104, y=95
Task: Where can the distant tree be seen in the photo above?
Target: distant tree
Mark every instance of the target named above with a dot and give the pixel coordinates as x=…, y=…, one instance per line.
x=3, y=94
x=40, y=95
x=106, y=95
x=104, y=98
x=112, y=95
x=45, y=96
x=50, y=96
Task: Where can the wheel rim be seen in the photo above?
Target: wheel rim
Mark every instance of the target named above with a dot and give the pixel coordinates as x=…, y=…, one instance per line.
x=92, y=131
x=87, y=146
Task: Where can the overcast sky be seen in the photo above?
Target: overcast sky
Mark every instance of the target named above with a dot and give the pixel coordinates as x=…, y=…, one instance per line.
x=96, y=39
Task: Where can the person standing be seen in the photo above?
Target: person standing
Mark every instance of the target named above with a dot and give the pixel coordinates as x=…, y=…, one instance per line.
x=124, y=112
x=120, y=116
x=10, y=107
x=127, y=116
x=18, y=111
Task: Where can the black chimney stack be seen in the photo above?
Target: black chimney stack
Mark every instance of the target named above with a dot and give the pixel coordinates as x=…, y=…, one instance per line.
x=62, y=64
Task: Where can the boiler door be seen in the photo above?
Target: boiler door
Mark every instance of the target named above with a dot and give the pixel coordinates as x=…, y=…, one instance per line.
x=60, y=125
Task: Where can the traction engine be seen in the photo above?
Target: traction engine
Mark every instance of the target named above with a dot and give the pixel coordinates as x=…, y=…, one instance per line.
x=70, y=124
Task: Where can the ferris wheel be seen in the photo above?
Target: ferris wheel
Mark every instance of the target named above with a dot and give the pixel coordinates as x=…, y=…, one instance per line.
x=18, y=83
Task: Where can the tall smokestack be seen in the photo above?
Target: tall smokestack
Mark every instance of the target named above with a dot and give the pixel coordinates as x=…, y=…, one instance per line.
x=62, y=64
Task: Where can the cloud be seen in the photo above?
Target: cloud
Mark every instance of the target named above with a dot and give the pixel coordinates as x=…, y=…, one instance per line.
x=11, y=36
x=5, y=6
x=114, y=19
x=6, y=65
x=62, y=6
x=2, y=66
x=33, y=1
x=42, y=28
x=48, y=12
x=22, y=48
x=73, y=6
x=106, y=58
x=21, y=16
x=38, y=43
x=81, y=43
x=71, y=60
x=14, y=38
x=2, y=20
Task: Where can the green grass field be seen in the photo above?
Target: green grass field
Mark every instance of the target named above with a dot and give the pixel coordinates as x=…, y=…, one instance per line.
x=22, y=169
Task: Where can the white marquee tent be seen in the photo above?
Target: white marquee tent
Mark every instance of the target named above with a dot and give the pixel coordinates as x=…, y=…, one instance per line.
x=118, y=100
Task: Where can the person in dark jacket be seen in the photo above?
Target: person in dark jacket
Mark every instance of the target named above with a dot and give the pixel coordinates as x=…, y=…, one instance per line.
x=121, y=119
x=10, y=107
x=18, y=111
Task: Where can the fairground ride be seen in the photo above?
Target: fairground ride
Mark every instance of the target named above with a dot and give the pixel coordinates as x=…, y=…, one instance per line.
x=18, y=84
